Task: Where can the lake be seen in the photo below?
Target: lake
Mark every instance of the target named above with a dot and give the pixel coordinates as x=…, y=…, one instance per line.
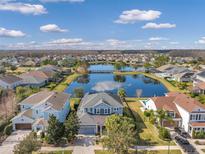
x=145, y=86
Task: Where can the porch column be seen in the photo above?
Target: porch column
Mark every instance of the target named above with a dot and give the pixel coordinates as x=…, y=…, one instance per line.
x=96, y=129
x=100, y=129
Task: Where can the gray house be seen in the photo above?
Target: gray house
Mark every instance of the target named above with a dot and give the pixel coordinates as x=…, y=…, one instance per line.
x=10, y=81
x=93, y=110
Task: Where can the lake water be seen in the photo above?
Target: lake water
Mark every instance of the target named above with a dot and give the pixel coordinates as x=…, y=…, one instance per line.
x=108, y=67
x=111, y=83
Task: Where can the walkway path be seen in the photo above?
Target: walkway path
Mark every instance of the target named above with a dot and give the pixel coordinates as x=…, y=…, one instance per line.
x=7, y=146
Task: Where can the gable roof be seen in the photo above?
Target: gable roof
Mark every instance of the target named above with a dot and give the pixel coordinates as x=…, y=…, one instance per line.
x=10, y=79
x=92, y=99
x=202, y=74
x=58, y=100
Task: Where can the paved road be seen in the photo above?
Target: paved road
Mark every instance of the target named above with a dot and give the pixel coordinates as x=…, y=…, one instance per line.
x=8, y=145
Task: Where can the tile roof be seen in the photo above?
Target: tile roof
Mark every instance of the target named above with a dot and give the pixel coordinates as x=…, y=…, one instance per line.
x=197, y=124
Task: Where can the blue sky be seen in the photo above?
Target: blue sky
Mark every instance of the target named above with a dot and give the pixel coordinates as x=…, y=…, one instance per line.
x=102, y=24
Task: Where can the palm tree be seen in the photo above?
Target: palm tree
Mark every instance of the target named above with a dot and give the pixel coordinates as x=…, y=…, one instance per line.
x=162, y=115
x=122, y=93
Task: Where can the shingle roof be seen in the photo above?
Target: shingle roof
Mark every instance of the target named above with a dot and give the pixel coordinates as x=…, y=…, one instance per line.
x=58, y=100
x=36, y=98
x=92, y=99
x=10, y=79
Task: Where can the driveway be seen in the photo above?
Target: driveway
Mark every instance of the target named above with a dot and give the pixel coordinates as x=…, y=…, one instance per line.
x=15, y=138
x=84, y=145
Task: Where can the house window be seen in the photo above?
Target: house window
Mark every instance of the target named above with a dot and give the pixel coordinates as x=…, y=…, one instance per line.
x=98, y=111
x=105, y=111
x=36, y=111
x=23, y=106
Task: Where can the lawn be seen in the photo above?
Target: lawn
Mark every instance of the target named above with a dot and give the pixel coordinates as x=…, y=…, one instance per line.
x=168, y=85
x=63, y=85
x=142, y=152
x=55, y=152
x=148, y=133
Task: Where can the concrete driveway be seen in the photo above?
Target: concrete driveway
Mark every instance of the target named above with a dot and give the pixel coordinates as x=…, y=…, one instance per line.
x=8, y=145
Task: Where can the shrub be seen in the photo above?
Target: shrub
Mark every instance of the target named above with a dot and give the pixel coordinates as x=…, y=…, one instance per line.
x=164, y=133
x=42, y=135
x=8, y=129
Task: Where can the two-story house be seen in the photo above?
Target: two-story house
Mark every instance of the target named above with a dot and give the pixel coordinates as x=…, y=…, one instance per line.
x=36, y=109
x=189, y=113
x=93, y=110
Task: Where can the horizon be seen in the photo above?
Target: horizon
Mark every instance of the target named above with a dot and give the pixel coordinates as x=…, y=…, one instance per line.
x=102, y=25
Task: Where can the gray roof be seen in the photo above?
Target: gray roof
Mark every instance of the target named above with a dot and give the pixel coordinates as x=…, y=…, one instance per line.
x=89, y=119
x=37, y=98
x=27, y=79
x=10, y=79
x=58, y=100
x=92, y=99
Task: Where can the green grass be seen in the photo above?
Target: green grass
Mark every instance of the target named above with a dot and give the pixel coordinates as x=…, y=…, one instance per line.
x=55, y=152
x=148, y=133
x=63, y=85
x=142, y=152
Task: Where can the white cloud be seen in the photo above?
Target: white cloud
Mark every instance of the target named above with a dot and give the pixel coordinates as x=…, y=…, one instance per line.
x=64, y=41
x=158, y=39
x=52, y=28
x=11, y=33
x=201, y=41
x=23, y=8
x=132, y=16
x=71, y=1
x=115, y=42
x=106, y=86
x=158, y=26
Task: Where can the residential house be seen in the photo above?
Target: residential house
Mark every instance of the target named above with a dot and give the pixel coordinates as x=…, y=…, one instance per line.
x=36, y=110
x=95, y=108
x=10, y=81
x=189, y=112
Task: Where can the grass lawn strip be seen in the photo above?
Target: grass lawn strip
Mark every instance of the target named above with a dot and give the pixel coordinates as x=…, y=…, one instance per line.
x=55, y=152
x=64, y=84
x=148, y=133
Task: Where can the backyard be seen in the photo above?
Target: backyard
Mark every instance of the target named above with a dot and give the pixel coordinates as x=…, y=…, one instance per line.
x=148, y=133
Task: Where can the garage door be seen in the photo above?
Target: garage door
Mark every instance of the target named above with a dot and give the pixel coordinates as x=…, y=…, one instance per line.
x=23, y=126
x=87, y=130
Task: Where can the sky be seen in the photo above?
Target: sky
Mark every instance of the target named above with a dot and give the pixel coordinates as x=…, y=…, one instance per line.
x=102, y=24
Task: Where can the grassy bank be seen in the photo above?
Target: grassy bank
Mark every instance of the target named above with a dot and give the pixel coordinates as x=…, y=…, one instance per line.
x=63, y=85
x=168, y=85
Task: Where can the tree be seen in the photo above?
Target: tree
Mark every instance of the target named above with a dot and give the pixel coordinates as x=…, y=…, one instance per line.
x=161, y=60
x=72, y=125
x=79, y=92
x=121, y=134
x=13, y=68
x=162, y=115
x=164, y=133
x=121, y=92
x=28, y=145
x=55, y=130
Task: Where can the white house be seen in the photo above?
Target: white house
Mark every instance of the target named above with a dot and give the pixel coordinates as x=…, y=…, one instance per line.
x=93, y=110
x=36, y=109
x=189, y=113
x=10, y=81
